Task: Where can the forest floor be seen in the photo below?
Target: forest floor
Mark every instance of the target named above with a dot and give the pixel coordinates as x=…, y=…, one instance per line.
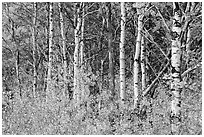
x=60, y=117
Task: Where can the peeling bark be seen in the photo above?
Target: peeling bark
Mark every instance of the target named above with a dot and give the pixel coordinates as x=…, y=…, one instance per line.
x=176, y=76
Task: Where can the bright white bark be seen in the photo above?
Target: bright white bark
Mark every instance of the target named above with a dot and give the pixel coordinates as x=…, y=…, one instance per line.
x=64, y=47
x=176, y=76
x=82, y=38
x=122, y=53
x=34, y=50
x=136, y=60
x=49, y=73
x=76, y=55
x=143, y=64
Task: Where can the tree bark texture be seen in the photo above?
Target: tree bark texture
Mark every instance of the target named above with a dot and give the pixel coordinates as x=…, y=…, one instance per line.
x=122, y=53
x=143, y=64
x=51, y=55
x=175, y=70
x=34, y=50
x=47, y=38
x=77, y=31
x=110, y=50
x=64, y=47
x=137, y=54
x=82, y=37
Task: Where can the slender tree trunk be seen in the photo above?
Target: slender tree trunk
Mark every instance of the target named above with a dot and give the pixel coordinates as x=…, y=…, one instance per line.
x=176, y=76
x=17, y=72
x=110, y=50
x=136, y=59
x=188, y=35
x=64, y=47
x=49, y=73
x=82, y=37
x=143, y=64
x=47, y=38
x=122, y=53
x=34, y=50
x=17, y=60
x=188, y=47
x=76, y=53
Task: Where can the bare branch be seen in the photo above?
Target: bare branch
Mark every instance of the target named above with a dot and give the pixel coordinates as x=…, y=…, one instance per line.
x=152, y=40
x=190, y=69
x=155, y=80
x=89, y=13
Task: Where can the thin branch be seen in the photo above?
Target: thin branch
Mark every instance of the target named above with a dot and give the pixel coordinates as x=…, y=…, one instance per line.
x=190, y=69
x=152, y=68
x=155, y=80
x=89, y=13
x=152, y=41
x=69, y=17
x=163, y=19
x=90, y=6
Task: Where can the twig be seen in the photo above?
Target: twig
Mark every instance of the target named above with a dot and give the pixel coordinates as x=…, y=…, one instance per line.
x=155, y=80
x=190, y=69
x=89, y=13
x=152, y=41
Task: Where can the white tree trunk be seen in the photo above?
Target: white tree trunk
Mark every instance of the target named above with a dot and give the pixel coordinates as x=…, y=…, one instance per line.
x=34, y=50
x=64, y=47
x=49, y=73
x=76, y=55
x=136, y=60
x=188, y=46
x=82, y=38
x=122, y=53
x=143, y=64
x=176, y=76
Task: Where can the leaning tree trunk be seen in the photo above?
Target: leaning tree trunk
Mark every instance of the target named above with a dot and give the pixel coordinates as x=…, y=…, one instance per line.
x=34, y=50
x=49, y=73
x=64, y=48
x=76, y=53
x=136, y=58
x=143, y=64
x=122, y=53
x=110, y=50
x=176, y=76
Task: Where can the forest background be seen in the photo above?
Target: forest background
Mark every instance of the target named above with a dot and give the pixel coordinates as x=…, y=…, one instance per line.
x=101, y=68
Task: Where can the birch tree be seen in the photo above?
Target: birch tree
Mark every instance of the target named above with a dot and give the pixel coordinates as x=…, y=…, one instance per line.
x=47, y=37
x=82, y=36
x=122, y=53
x=34, y=50
x=49, y=73
x=175, y=70
x=110, y=49
x=77, y=30
x=64, y=47
x=137, y=51
x=143, y=64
